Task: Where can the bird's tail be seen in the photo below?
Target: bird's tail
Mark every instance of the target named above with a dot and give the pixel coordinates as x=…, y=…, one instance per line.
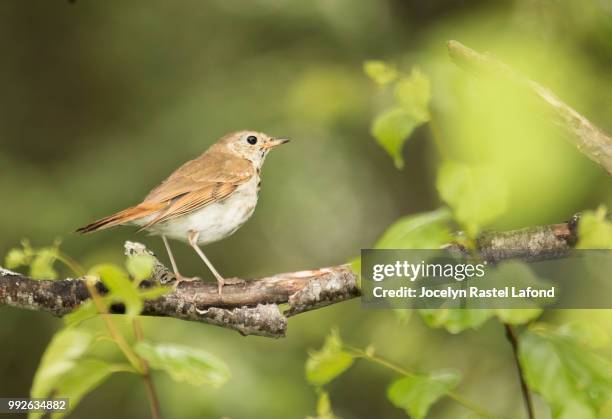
x=122, y=217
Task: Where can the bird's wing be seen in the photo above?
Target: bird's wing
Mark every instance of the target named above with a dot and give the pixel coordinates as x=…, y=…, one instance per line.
x=192, y=201
x=200, y=182
x=197, y=173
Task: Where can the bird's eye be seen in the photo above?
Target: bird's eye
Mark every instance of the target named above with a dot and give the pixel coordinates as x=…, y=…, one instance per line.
x=251, y=139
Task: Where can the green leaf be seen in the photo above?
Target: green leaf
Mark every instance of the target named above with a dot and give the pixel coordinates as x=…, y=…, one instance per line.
x=587, y=334
x=64, y=372
x=520, y=275
x=328, y=363
x=574, y=409
x=40, y=261
x=427, y=230
x=569, y=376
x=85, y=311
x=41, y=266
x=595, y=230
x=379, y=71
x=86, y=375
x=120, y=287
x=517, y=315
x=455, y=320
x=391, y=129
x=88, y=309
x=182, y=363
x=155, y=293
x=476, y=195
x=513, y=273
x=16, y=258
x=414, y=94
x=66, y=347
x=416, y=393
x=140, y=267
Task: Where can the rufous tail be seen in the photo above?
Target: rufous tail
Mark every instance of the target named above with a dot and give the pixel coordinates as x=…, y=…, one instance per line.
x=122, y=217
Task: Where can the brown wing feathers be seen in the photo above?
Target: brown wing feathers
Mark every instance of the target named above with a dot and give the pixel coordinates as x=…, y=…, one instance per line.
x=121, y=217
x=194, y=201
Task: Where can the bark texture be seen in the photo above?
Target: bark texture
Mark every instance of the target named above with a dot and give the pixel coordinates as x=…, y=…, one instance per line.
x=251, y=307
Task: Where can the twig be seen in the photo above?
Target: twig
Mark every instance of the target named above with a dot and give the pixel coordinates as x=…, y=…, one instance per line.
x=589, y=139
x=530, y=244
x=117, y=337
x=513, y=339
x=394, y=367
x=436, y=134
x=146, y=374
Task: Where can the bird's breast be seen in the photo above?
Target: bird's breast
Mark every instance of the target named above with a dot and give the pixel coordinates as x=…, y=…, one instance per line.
x=217, y=220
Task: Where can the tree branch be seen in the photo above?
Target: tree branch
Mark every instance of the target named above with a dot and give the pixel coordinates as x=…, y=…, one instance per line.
x=531, y=243
x=589, y=139
x=252, y=307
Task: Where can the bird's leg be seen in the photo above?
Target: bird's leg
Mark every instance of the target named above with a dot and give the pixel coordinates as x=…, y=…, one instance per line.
x=193, y=241
x=171, y=256
x=179, y=278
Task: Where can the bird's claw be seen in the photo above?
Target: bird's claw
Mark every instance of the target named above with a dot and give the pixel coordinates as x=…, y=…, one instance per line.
x=180, y=279
x=228, y=281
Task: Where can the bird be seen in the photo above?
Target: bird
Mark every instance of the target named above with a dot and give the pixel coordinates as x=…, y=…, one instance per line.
x=205, y=200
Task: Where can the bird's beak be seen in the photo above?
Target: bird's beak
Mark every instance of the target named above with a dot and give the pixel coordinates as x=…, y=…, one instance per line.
x=273, y=142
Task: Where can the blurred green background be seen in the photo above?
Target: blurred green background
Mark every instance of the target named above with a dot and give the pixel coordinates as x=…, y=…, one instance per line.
x=100, y=101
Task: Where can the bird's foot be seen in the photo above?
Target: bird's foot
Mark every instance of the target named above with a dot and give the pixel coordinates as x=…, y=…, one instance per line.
x=221, y=282
x=180, y=279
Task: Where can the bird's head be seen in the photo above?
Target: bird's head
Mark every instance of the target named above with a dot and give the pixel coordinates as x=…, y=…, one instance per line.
x=251, y=145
